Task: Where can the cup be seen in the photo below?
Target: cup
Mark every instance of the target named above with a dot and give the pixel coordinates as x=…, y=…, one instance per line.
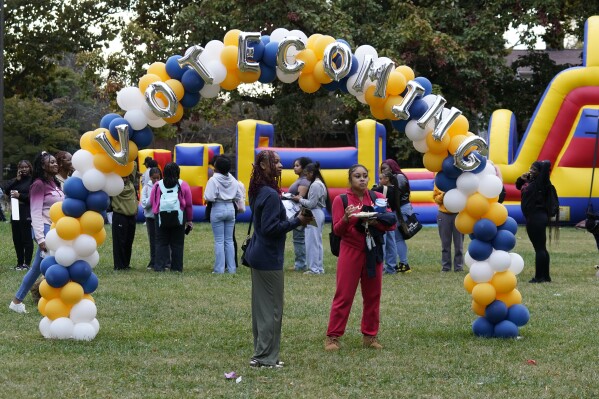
x=380, y=205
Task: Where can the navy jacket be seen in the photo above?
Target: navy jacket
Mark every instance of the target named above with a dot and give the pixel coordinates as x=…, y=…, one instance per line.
x=267, y=247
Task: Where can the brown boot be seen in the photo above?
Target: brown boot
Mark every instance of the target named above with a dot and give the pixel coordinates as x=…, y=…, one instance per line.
x=371, y=342
x=331, y=344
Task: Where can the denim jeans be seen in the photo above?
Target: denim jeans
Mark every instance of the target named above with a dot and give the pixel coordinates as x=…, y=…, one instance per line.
x=299, y=246
x=390, y=249
x=314, y=250
x=33, y=273
x=222, y=219
x=402, y=247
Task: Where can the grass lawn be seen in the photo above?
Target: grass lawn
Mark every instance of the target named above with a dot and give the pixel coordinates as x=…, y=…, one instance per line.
x=175, y=335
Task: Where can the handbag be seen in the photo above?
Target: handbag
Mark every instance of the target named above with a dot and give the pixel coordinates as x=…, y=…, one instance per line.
x=410, y=226
x=246, y=244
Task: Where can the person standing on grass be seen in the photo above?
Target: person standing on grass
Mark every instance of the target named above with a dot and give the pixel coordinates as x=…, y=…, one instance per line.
x=124, y=221
x=388, y=187
x=155, y=175
x=21, y=229
x=300, y=188
x=448, y=233
x=317, y=201
x=265, y=256
x=45, y=191
x=357, y=263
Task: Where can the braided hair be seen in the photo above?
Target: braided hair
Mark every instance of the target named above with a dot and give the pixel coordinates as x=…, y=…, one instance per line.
x=260, y=177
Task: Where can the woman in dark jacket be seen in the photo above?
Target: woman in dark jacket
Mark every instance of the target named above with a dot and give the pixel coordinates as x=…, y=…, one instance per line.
x=265, y=256
x=21, y=229
x=534, y=186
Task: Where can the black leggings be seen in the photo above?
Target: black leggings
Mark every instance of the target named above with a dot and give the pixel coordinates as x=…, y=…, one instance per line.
x=23, y=241
x=536, y=226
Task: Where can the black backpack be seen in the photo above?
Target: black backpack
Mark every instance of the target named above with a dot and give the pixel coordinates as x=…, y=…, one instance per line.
x=334, y=239
x=553, y=205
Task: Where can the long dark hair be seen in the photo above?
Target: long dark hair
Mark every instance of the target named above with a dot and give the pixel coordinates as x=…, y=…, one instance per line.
x=171, y=175
x=541, y=184
x=303, y=161
x=260, y=178
x=153, y=170
x=314, y=168
x=397, y=170
x=395, y=198
x=38, y=168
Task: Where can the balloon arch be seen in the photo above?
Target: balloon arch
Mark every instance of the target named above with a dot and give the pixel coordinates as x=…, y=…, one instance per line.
x=393, y=92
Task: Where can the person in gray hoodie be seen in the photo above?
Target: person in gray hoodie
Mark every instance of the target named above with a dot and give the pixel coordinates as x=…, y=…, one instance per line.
x=223, y=190
x=154, y=175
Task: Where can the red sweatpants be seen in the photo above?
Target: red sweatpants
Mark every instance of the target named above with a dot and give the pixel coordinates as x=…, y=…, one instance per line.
x=351, y=269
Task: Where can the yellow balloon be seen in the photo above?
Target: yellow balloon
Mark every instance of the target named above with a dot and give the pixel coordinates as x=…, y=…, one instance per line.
x=389, y=104
x=133, y=150
x=321, y=44
x=71, y=293
x=311, y=43
x=372, y=100
x=68, y=228
x=406, y=71
x=41, y=306
x=91, y=222
x=232, y=38
x=309, y=59
x=432, y=161
x=88, y=142
x=308, y=83
x=100, y=237
x=176, y=87
x=455, y=142
x=469, y=283
x=88, y=296
x=378, y=112
x=459, y=126
x=56, y=211
x=396, y=83
x=146, y=80
x=513, y=297
x=477, y=205
x=483, y=294
x=438, y=147
x=175, y=118
x=504, y=282
x=104, y=163
x=124, y=170
x=56, y=308
x=249, y=77
x=47, y=291
x=464, y=223
x=478, y=309
x=497, y=213
x=320, y=75
x=228, y=57
x=231, y=80
x=158, y=69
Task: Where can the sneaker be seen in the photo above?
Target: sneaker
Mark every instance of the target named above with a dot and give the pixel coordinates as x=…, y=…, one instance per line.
x=257, y=364
x=331, y=344
x=24, y=267
x=311, y=273
x=17, y=307
x=369, y=341
x=405, y=268
x=18, y=268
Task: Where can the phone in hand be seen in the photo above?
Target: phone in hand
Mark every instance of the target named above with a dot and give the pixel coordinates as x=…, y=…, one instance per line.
x=187, y=229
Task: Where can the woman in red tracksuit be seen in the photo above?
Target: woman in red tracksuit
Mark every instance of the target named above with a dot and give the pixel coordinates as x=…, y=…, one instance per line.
x=352, y=264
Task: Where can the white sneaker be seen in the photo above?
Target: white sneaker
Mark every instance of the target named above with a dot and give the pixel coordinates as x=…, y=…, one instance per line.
x=17, y=307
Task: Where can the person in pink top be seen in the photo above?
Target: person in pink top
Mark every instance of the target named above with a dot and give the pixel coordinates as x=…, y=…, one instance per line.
x=45, y=191
x=172, y=238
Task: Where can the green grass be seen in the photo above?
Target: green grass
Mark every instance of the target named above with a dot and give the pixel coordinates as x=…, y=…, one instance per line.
x=175, y=335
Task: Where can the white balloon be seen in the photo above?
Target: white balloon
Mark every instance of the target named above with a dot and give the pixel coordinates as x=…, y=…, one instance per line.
x=93, y=179
x=136, y=118
x=77, y=174
x=84, y=246
x=212, y=50
x=517, y=263
x=130, y=98
x=287, y=77
x=468, y=259
x=429, y=99
x=454, y=200
x=156, y=123
x=82, y=160
x=96, y=324
x=490, y=186
x=298, y=33
x=364, y=50
x=84, y=332
x=65, y=255
x=149, y=114
x=489, y=169
x=53, y=240
x=467, y=183
x=420, y=146
x=83, y=311
x=44, y=327
x=61, y=328
x=93, y=259
x=361, y=97
x=500, y=261
x=481, y=272
x=278, y=34
x=350, y=85
x=113, y=184
x=210, y=91
x=218, y=71
x=415, y=132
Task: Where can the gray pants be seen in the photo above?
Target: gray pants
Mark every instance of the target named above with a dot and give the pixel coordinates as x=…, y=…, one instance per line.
x=267, y=314
x=314, y=250
x=447, y=233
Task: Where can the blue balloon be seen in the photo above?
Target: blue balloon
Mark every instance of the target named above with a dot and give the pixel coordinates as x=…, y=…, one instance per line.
x=90, y=284
x=57, y=276
x=445, y=183
x=80, y=271
x=400, y=125
x=518, y=314
x=97, y=201
x=265, y=39
x=192, y=81
x=106, y=119
x=258, y=50
x=74, y=188
x=73, y=207
x=267, y=74
x=485, y=230
x=482, y=328
x=496, y=311
x=173, y=69
x=479, y=250
x=450, y=169
x=115, y=122
x=510, y=225
x=143, y=138
x=334, y=85
x=504, y=241
x=190, y=100
x=506, y=329
x=426, y=84
x=270, y=54
x=483, y=162
x=417, y=109
x=46, y=263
